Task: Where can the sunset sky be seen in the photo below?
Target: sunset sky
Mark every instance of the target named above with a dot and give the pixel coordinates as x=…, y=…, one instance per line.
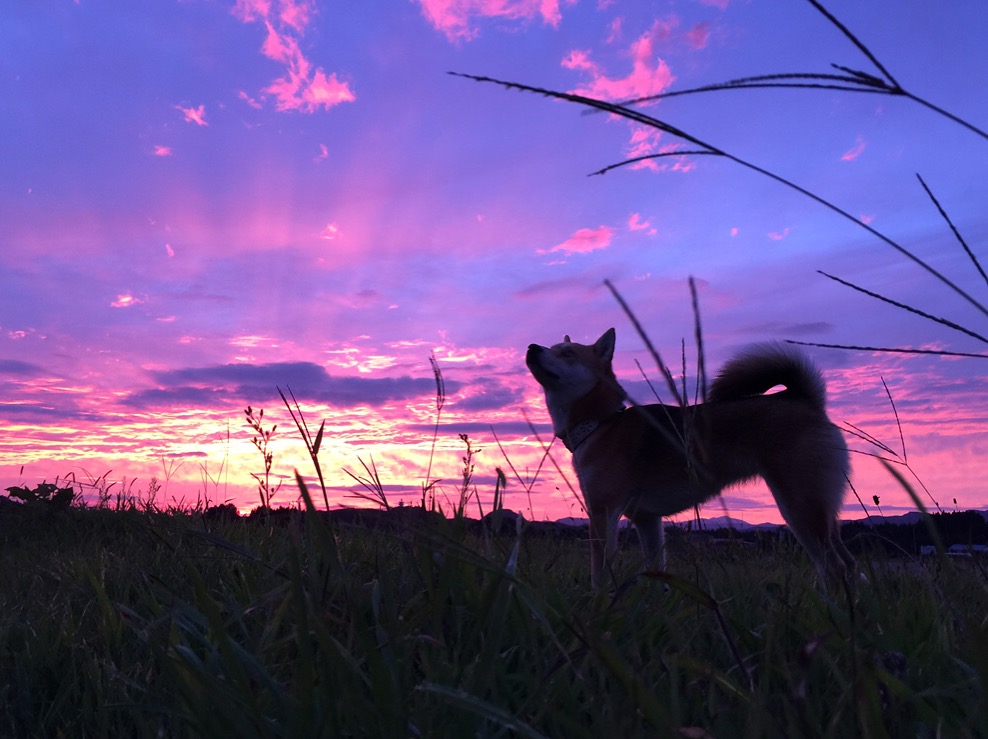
x=204, y=200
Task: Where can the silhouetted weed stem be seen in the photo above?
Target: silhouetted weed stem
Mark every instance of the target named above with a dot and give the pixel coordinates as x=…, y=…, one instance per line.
x=262, y=442
x=662, y=367
x=892, y=457
x=898, y=423
x=526, y=485
x=546, y=453
x=903, y=306
x=960, y=239
x=888, y=350
x=371, y=483
x=701, y=365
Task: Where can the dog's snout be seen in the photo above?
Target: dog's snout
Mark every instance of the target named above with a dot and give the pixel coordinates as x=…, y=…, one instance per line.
x=533, y=351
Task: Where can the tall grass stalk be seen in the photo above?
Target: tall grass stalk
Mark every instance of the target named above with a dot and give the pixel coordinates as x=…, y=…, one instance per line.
x=428, y=485
x=312, y=443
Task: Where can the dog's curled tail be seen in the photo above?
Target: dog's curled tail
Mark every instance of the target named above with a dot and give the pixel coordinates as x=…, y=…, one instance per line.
x=763, y=366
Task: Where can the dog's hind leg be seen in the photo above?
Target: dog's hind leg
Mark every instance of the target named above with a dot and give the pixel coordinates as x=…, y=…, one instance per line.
x=837, y=546
x=813, y=521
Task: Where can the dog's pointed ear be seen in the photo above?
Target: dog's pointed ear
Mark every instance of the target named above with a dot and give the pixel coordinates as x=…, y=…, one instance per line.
x=566, y=339
x=604, y=346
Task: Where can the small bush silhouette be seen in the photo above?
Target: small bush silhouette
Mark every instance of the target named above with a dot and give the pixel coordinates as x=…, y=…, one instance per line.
x=47, y=493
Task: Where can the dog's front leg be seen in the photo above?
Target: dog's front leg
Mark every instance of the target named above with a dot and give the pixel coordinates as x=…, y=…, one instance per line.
x=603, y=543
x=652, y=539
x=596, y=560
x=598, y=545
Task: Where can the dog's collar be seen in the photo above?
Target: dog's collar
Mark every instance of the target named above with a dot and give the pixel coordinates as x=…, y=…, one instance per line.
x=572, y=438
x=575, y=436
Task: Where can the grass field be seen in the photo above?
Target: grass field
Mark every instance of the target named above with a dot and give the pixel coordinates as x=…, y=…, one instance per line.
x=166, y=624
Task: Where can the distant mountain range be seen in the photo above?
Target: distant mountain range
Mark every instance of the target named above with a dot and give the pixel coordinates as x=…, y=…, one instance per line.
x=729, y=522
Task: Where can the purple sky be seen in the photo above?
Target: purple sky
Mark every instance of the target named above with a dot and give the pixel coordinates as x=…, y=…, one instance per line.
x=203, y=201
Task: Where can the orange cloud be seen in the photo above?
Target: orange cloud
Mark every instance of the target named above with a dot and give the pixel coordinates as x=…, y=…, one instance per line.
x=452, y=17
x=194, y=115
x=584, y=241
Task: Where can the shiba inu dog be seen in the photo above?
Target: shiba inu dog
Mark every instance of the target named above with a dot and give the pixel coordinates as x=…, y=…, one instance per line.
x=649, y=461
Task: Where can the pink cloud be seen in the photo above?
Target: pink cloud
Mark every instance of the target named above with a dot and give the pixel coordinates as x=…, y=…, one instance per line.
x=296, y=91
x=699, y=35
x=279, y=47
x=162, y=151
x=194, y=115
x=323, y=153
x=125, y=301
x=779, y=235
x=295, y=14
x=614, y=30
x=635, y=223
x=579, y=60
x=330, y=232
x=453, y=17
x=645, y=141
x=249, y=100
x=855, y=151
x=252, y=10
x=584, y=241
x=303, y=87
x=649, y=75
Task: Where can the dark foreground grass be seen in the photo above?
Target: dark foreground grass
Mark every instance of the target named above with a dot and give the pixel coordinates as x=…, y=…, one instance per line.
x=148, y=624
